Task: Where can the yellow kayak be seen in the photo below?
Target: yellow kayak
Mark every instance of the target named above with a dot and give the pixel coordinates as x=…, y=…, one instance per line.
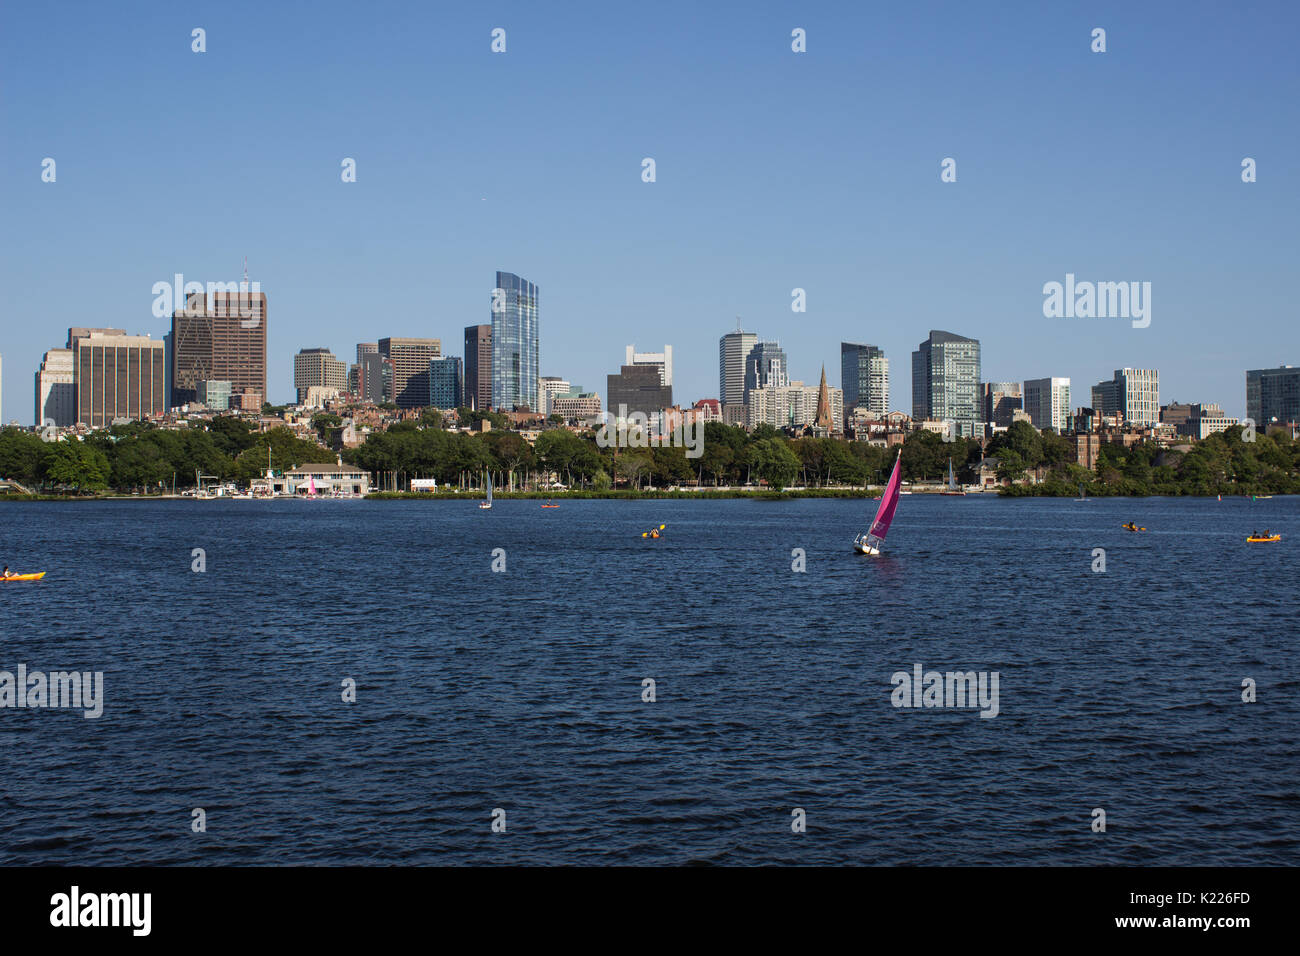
x=1263, y=540
x=24, y=577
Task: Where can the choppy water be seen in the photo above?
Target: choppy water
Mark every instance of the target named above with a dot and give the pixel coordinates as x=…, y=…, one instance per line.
x=522, y=690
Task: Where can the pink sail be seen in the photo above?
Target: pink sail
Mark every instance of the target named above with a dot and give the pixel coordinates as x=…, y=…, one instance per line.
x=888, y=503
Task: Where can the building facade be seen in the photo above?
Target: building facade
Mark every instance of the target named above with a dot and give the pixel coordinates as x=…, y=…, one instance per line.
x=410, y=360
x=945, y=383
x=1132, y=394
x=637, y=388
x=374, y=379
x=792, y=406
x=56, y=389
x=999, y=400
x=663, y=361
x=733, y=349
x=119, y=377
x=317, y=367
x=219, y=340
x=478, y=366
x=1047, y=401
x=446, y=382
x=515, y=343
x=575, y=405
x=864, y=377
x=1273, y=396
x=214, y=394
x=766, y=366
x=548, y=386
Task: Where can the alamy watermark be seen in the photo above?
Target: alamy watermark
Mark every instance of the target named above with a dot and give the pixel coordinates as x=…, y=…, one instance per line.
x=82, y=690
x=167, y=296
x=955, y=689
x=1098, y=300
x=632, y=430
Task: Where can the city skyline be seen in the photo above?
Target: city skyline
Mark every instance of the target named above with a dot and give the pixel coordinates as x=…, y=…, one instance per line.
x=693, y=249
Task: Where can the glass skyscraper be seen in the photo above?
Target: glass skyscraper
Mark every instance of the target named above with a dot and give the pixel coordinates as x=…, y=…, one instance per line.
x=864, y=376
x=946, y=383
x=514, y=342
x=446, y=382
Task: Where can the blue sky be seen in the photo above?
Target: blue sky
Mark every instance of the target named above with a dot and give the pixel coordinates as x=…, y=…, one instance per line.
x=775, y=170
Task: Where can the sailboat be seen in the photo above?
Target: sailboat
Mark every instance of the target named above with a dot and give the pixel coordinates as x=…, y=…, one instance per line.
x=488, y=503
x=952, y=488
x=871, y=542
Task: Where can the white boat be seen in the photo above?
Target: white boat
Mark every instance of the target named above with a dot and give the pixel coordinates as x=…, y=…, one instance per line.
x=488, y=503
x=871, y=541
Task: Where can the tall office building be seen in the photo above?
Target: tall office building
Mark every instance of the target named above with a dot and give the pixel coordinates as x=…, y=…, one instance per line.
x=766, y=366
x=374, y=378
x=945, y=383
x=410, y=359
x=119, y=377
x=999, y=402
x=1047, y=401
x=1273, y=396
x=515, y=343
x=56, y=389
x=733, y=349
x=478, y=366
x=366, y=348
x=663, y=361
x=864, y=377
x=446, y=382
x=637, y=388
x=1133, y=394
x=318, y=367
x=221, y=340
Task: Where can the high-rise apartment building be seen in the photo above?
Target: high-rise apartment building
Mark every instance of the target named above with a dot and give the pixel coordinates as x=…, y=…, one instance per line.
x=795, y=406
x=733, y=349
x=864, y=377
x=1047, y=400
x=56, y=389
x=1133, y=394
x=1273, y=396
x=318, y=367
x=446, y=382
x=220, y=340
x=478, y=366
x=515, y=343
x=945, y=383
x=410, y=360
x=119, y=377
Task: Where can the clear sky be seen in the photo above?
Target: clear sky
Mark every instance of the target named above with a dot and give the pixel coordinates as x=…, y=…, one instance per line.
x=775, y=170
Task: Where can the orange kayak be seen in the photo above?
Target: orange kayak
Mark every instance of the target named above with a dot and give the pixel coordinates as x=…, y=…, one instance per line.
x=24, y=577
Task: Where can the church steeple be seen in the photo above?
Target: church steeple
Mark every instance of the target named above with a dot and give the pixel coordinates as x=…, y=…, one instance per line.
x=824, y=404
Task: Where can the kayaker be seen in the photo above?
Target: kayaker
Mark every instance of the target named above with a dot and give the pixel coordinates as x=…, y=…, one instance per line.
x=6, y=573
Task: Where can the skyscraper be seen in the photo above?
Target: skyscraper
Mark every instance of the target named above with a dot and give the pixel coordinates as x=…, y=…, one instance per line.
x=1047, y=401
x=766, y=366
x=864, y=376
x=118, y=377
x=1133, y=394
x=663, y=361
x=446, y=382
x=478, y=366
x=999, y=401
x=1273, y=396
x=733, y=349
x=318, y=367
x=945, y=382
x=221, y=340
x=637, y=388
x=515, y=343
x=374, y=378
x=410, y=361
x=56, y=389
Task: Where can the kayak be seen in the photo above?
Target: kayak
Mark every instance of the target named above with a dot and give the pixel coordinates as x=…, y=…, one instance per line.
x=1133, y=527
x=24, y=577
x=1263, y=540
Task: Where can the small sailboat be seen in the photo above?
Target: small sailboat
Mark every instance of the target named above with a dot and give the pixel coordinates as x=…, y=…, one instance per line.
x=871, y=541
x=311, y=487
x=487, y=503
x=952, y=488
